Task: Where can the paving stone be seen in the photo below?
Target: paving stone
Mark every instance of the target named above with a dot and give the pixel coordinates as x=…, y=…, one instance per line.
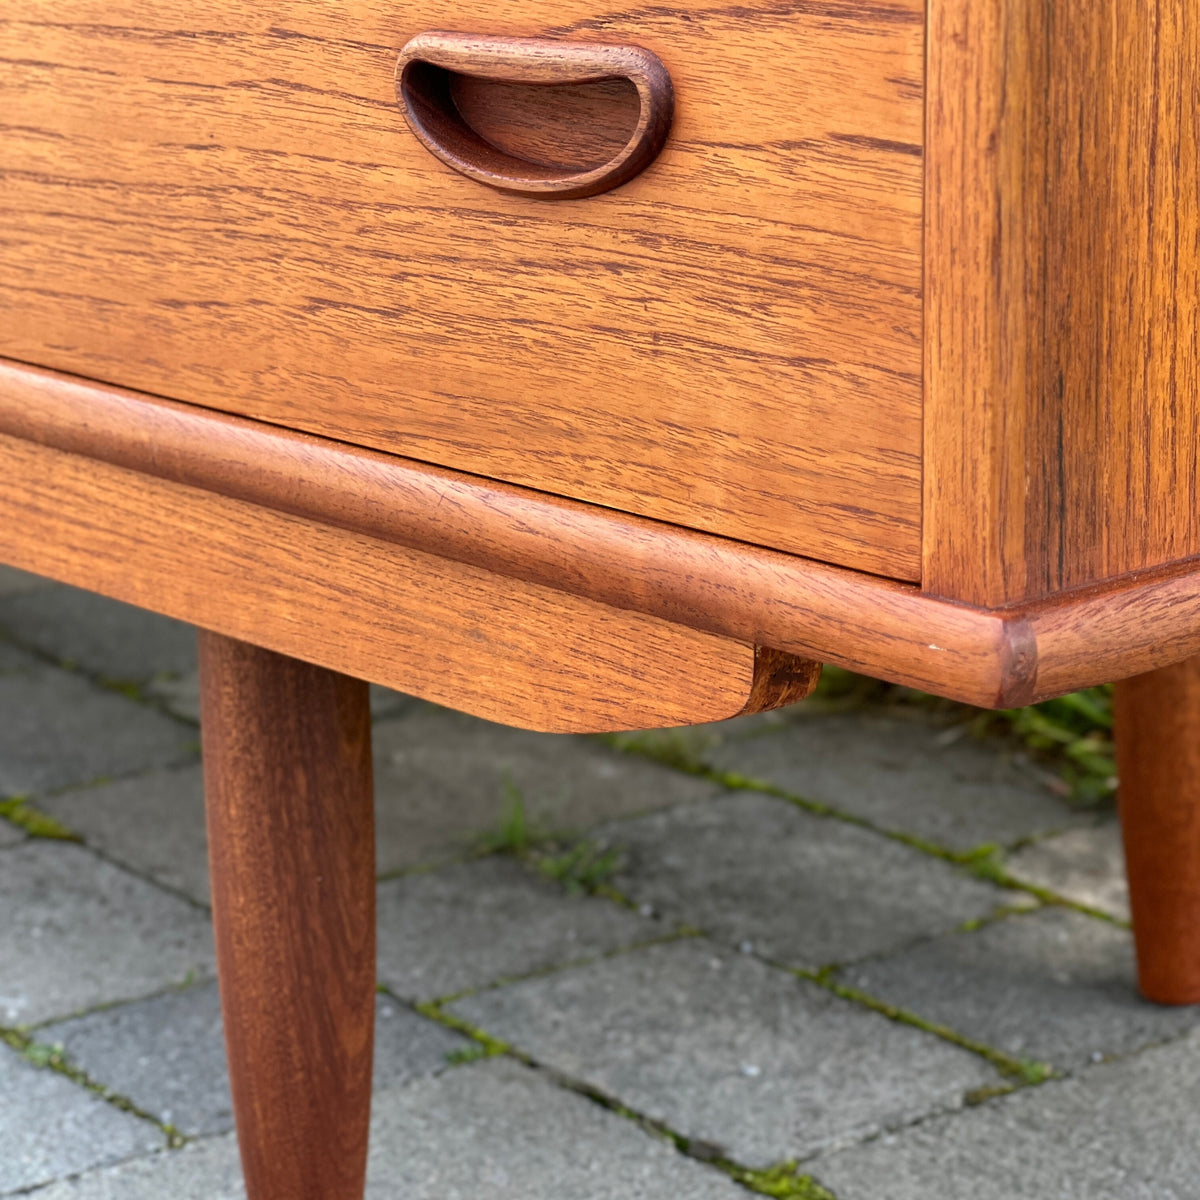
x=494, y=1130
x=50, y=1127
x=153, y=824
x=385, y=703
x=13, y=581
x=804, y=890
x=14, y=661
x=59, y=730
x=1121, y=1131
x=205, y=1170
x=693, y=743
x=469, y=925
x=1085, y=865
x=167, y=1054
x=179, y=694
x=501, y=1131
x=724, y=1048
x=438, y=790
x=103, y=636
x=408, y=1046
x=119, y=641
x=1052, y=985
x=441, y=776
x=79, y=932
x=903, y=774
x=10, y=834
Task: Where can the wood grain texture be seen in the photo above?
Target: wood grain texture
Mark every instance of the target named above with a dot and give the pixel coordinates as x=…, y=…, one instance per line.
x=222, y=203
x=1110, y=631
x=432, y=65
x=291, y=836
x=447, y=632
x=993, y=658
x=627, y=563
x=1062, y=412
x=1157, y=727
x=582, y=124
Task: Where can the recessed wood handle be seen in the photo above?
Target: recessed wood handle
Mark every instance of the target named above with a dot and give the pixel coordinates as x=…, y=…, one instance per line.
x=424, y=77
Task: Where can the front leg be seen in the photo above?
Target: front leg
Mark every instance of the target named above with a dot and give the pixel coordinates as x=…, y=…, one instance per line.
x=287, y=772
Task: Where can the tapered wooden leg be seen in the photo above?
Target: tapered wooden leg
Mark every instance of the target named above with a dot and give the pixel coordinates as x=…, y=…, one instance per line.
x=1157, y=726
x=287, y=772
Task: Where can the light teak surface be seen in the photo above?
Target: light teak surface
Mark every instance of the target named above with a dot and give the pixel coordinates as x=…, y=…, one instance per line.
x=569, y=550
x=1063, y=303
x=291, y=835
x=622, y=562
x=223, y=203
x=447, y=631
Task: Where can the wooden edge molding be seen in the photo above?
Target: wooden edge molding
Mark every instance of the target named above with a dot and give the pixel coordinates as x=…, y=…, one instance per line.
x=487, y=644
x=993, y=658
x=720, y=586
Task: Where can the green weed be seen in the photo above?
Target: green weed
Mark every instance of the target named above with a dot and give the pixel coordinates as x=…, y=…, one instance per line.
x=1071, y=735
x=581, y=868
x=579, y=865
x=514, y=834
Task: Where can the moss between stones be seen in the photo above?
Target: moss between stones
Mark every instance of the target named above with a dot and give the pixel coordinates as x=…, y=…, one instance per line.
x=781, y=1181
x=52, y=1058
x=1022, y=1071
x=38, y=824
x=486, y=1046
x=578, y=864
x=468, y=1054
x=985, y=861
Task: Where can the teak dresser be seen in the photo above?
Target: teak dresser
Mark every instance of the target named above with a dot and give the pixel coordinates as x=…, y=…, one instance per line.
x=587, y=369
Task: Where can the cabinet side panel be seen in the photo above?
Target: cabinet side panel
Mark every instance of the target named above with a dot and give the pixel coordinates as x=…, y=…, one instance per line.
x=1063, y=313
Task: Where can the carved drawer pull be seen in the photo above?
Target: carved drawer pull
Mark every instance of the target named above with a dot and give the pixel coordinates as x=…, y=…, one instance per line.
x=433, y=65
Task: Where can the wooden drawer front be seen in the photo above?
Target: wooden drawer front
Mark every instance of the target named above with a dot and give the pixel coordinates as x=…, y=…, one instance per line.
x=221, y=202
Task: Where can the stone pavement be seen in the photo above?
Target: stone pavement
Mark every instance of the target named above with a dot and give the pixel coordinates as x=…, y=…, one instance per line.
x=819, y=953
